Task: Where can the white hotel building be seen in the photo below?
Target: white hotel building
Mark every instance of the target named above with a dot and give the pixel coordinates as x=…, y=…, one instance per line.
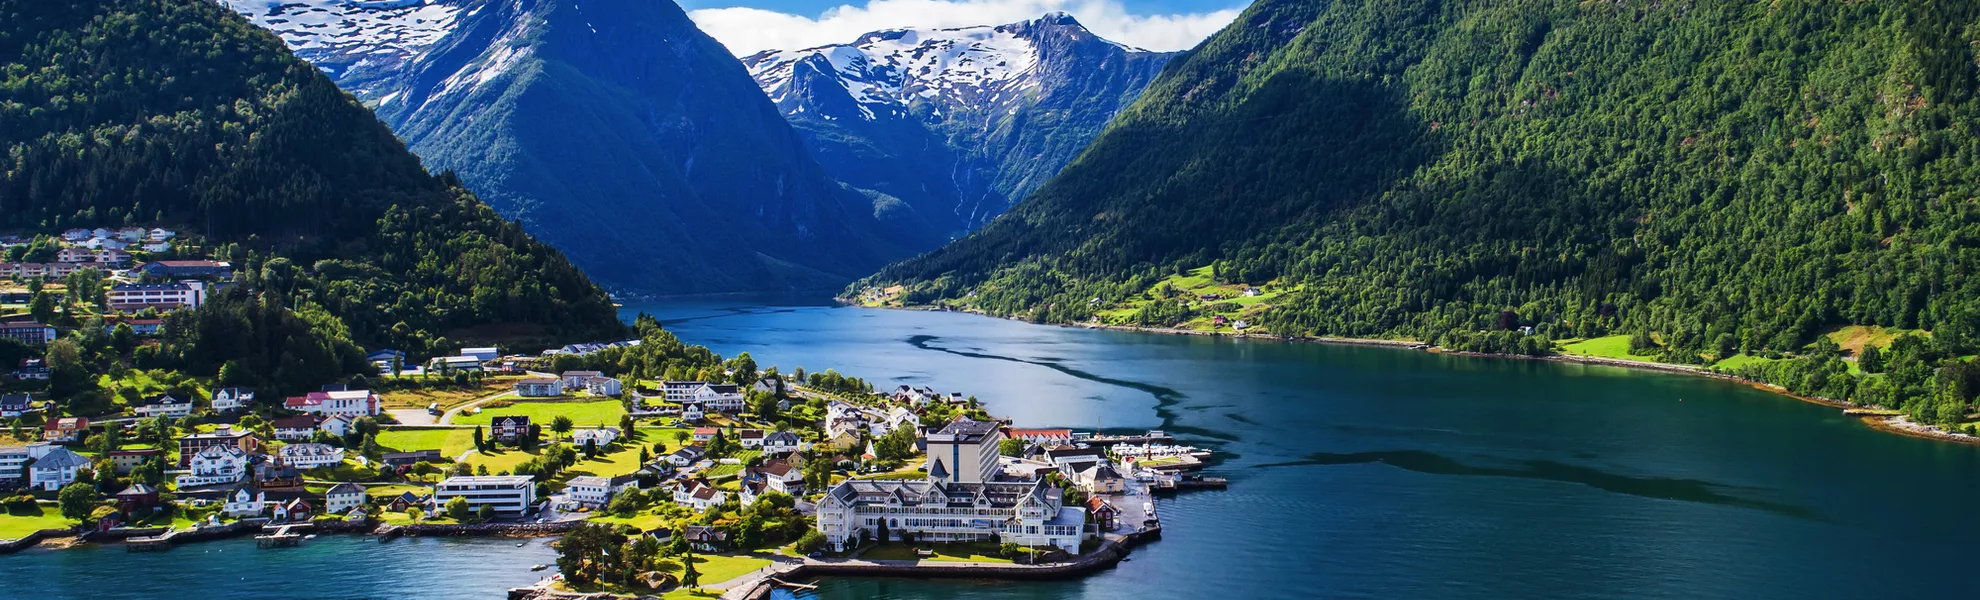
x=963, y=499
x=509, y=494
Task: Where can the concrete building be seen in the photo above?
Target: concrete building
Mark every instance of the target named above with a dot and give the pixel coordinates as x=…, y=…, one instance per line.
x=964, y=451
x=510, y=495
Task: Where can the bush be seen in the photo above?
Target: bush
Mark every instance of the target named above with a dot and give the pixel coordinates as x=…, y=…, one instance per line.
x=811, y=542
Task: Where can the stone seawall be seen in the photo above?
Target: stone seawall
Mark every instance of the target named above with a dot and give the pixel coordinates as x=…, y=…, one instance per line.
x=32, y=538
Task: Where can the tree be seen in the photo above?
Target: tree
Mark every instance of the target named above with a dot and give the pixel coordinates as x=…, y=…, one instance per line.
x=457, y=508
x=1872, y=360
x=764, y=404
x=480, y=443
x=486, y=512
x=690, y=578
x=585, y=553
x=1012, y=447
x=562, y=425
x=77, y=500
x=811, y=541
x=881, y=532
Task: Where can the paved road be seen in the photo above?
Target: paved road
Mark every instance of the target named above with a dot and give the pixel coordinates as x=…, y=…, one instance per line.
x=448, y=418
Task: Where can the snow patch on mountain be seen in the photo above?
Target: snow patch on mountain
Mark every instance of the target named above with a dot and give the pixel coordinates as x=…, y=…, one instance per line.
x=351, y=39
x=889, y=70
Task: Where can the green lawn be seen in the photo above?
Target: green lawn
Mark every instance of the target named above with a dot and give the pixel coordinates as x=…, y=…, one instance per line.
x=1615, y=346
x=967, y=552
x=17, y=525
x=644, y=521
x=1739, y=361
x=449, y=398
x=583, y=414
x=501, y=460
x=450, y=442
x=1854, y=337
x=611, y=464
x=395, y=489
x=717, y=568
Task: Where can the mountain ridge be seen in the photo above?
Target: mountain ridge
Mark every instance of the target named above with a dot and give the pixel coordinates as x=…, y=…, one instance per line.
x=955, y=122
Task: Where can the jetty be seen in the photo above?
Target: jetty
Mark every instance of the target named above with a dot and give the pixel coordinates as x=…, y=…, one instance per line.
x=153, y=543
x=283, y=536
x=1152, y=436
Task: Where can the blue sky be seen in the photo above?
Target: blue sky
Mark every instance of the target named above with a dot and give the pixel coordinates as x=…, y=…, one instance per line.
x=748, y=26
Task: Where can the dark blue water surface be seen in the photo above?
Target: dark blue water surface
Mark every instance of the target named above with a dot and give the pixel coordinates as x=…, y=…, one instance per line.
x=1357, y=472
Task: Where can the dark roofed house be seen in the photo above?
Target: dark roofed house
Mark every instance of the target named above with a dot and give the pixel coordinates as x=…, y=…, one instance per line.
x=707, y=539
x=186, y=268
x=407, y=459
x=509, y=428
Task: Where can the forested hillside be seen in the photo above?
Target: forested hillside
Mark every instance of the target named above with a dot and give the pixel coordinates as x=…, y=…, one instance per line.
x=180, y=112
x=1722, y=177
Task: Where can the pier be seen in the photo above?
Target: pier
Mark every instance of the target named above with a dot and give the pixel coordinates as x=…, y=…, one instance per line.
x=283, y=537
x=154, y=543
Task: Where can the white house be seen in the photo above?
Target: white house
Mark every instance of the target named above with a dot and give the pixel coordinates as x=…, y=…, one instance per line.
x=603, y=436
x=311, y=456
x=245, y=500
x=55, y=469
x=590, y=490
x=354, y=403
x=337, y=425
x=157, y=246
x=576, y=379
x=508, y=494
x=482, y=354
x=603, y=386
x=540, y=387
x=343, y=497
x=692, y=413
x=294, y=429
x=231, y=399
x=902, y=417
x=685, y=456
x=781, y=442
x=719, y=397
x=1101, y=478
x=159, y=235
x=698, y=495
x=749, y=438
x=214, y=464
x=165, y=406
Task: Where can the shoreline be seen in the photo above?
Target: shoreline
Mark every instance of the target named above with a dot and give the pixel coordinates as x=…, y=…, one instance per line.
x=69, y=538
x=1898, y=425
x=760, y=584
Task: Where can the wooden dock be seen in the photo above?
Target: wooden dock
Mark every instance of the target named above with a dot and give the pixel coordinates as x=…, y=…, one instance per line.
x=1202, y=483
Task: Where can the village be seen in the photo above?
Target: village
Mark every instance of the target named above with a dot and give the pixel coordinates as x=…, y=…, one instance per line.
x=737, y=478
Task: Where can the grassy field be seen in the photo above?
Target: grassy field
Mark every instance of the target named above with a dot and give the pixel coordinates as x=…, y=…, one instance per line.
x=584, y=414
x=17, y=525
x=1197, y=283
x=644, y=521
x=1855, y=337
x=449, y=398
x=450, y=442
x=395, y=489
x=967, y=552
x=717, y=568
x=1738, y=361
x=1615, y=346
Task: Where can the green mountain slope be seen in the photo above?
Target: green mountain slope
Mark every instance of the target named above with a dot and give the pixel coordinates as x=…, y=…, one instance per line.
x=1730, y=176
x=181, y=112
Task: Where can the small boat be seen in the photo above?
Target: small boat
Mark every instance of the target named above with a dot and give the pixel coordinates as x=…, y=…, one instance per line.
x=521, y=544
x=539, y=567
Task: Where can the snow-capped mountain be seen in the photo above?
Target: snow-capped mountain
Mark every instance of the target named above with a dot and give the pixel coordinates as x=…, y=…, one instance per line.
x=355, y=42
x=614, y=130
x=959, y=122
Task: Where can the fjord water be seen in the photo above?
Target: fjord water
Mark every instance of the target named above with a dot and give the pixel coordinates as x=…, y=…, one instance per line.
x=1392, y=473
x=1355, y=471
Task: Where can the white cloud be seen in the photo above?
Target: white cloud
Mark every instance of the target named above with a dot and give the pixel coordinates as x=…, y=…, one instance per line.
x=749, y=30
